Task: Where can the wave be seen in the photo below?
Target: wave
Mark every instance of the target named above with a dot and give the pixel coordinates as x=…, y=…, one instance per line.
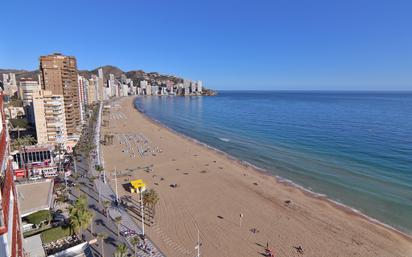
x=224, y=139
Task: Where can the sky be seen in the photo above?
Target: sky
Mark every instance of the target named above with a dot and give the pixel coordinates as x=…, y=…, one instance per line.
x=228, y=44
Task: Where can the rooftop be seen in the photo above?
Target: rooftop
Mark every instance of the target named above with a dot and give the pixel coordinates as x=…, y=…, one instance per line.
x=34, y=196
x=33, y=246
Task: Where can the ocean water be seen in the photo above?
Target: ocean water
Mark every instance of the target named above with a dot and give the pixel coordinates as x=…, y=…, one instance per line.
x=354, y=147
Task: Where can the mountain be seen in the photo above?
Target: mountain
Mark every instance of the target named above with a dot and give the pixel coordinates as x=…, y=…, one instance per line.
x=135, y=75
x=107, y=69
x=20, y=73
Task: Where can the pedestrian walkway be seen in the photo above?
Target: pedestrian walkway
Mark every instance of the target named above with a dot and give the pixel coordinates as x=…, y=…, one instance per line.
x=106, y=192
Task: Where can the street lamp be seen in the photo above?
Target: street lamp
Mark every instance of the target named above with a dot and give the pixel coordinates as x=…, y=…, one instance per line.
x=141, y=208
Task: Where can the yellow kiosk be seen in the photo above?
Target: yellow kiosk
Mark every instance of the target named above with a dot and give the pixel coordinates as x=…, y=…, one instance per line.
x=137, y=186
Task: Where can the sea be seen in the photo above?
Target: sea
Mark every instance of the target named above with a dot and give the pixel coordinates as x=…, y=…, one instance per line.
x=355, y=148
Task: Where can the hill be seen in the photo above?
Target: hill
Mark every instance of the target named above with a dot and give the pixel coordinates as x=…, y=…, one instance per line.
x=135, y=75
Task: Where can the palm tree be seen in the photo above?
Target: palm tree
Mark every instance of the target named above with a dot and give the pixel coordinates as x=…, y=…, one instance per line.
x=134, y=241
x=77, y=186
x=101, y=237
x=118, y=221
x=150, y=198
x=106, y=205
x=80, y=215
x=80, y=218
x=121, y=250
x=100, y=170
x=92, y=178
x=75, y=176
x=81, y=202
x=17, y=143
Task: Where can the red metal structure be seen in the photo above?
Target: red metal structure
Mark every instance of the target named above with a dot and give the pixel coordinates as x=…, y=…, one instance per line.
x=11, y=244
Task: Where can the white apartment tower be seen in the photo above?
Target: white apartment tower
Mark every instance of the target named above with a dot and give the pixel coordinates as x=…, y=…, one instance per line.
x=27, y=88
x=50, y=118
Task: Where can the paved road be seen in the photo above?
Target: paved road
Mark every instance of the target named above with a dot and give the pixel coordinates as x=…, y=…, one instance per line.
x=101, y=223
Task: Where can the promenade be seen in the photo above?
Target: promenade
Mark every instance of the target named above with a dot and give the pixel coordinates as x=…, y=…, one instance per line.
x=107, y=193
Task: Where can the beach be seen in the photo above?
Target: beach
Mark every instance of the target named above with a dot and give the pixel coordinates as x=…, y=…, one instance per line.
x=211, y=192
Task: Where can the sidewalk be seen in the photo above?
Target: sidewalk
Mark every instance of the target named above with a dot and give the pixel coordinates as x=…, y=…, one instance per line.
x=107, y=193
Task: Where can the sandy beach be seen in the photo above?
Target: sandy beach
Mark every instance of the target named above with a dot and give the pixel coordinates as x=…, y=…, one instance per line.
x=213, y=190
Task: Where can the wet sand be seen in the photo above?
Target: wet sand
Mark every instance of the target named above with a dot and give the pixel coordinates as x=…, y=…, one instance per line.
x=213, y=190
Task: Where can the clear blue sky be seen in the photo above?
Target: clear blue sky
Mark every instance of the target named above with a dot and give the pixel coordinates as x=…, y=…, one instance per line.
x=273, y=44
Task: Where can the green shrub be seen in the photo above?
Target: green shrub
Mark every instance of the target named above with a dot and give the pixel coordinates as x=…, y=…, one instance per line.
x=39, y=217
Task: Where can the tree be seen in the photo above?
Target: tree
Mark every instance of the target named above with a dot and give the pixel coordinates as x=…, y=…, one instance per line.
x=99, y=169
x=118, y=221
x=134, y=241
x=18, y=143
x=102, y=237
x=106, y=205
x=19, y=123
x=77, y=186
x=151, y=198
x=81, y=202
x=75, y=176
x=80, y=215
x=121, y=250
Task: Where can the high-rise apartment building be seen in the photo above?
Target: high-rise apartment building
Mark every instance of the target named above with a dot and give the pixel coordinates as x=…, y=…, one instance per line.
x=58, y=74
x=27, y=88
x=92, y=90
x=199, y=86
x=49, y=113
x=9, y=84
x=80, y=89
x=100, y=88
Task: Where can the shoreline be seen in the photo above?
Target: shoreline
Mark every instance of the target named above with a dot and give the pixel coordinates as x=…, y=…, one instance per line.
x=323, y=197
x=340, y=229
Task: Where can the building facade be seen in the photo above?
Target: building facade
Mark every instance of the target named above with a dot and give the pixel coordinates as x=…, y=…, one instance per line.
x=58, y=74
x=9, y=84
x=50, y=118
x=34, y=161
x=27, y=88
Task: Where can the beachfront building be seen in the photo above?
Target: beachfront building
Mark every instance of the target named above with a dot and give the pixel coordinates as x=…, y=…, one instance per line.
x=155, y=90
x=143, y=87
x=124, y=90
x=27, y=88
x=186, y=86
x=148, y=89
x=199, y=86
x=9, y=84
x=11, y=244
x=58, y=74
x=193, y=86
x=100, y=86
x=50, y=118
x=80, y=89
x=92, y=90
